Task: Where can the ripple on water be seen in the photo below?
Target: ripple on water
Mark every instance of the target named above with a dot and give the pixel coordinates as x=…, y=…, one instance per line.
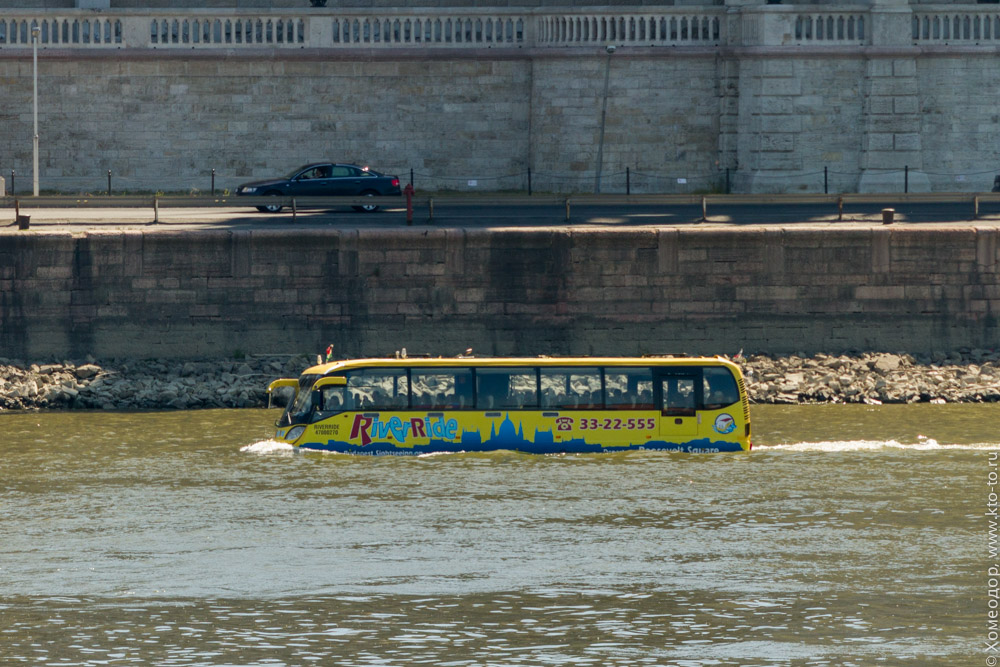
x=843, y=538
x=268, y=447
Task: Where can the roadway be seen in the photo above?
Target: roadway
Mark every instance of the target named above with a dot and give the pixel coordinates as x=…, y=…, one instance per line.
x=518, y=212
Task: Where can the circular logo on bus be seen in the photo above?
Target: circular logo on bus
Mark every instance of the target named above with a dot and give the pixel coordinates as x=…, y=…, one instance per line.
x=724, y=423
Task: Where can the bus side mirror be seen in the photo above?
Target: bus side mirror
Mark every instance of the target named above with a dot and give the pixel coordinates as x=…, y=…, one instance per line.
x=279, y=384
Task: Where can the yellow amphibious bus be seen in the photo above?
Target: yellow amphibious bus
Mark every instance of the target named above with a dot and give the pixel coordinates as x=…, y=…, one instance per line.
x=539, y=405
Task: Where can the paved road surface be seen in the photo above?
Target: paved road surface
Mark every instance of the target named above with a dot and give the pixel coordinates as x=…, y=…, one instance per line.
x=546, y=214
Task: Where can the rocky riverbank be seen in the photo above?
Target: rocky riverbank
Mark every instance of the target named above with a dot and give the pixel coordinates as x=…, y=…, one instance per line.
x=144, y=385
x=964, y=376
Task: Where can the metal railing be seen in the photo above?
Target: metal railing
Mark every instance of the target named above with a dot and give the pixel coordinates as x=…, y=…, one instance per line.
x=835, y=203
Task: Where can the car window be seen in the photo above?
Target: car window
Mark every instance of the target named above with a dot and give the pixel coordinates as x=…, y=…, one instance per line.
x=342, y=171
x=322, y=171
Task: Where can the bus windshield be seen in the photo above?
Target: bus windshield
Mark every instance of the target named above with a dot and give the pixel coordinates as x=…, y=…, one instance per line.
x=297, y=411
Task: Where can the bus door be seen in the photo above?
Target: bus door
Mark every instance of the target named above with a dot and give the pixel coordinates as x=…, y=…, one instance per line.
x=678, y=402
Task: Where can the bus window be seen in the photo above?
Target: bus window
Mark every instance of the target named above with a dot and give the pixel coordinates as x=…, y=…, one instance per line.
x=377, y=389
x=678, y=395
x=500, y=388
x=331, y=401
x=628, y=388
x=720, y=388
x=441, y=389
x=568, y=389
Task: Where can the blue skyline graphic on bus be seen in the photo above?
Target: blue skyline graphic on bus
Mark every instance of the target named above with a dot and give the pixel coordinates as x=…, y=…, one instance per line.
x=511, y=437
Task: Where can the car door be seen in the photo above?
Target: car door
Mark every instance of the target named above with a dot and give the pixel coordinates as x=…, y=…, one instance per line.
x=345, y=180
x=311, y=182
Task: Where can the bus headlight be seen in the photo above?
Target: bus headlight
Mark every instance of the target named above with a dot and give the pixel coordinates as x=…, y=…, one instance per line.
x=294, y=433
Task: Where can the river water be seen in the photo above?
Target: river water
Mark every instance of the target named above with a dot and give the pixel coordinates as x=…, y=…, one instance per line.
x=851, y=535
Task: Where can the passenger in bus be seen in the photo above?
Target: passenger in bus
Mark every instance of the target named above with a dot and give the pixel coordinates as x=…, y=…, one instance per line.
x=332, y=400
x=720, y=390
x=550, y=399
x=463, y=390
x=645, y=400
x=615, y=398
x=678, y=402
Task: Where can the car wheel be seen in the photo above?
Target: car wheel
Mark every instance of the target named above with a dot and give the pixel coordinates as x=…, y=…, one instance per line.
x=367, y=208
x=271, y=208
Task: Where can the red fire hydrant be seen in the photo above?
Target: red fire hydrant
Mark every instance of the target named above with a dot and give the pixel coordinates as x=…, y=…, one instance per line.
x=408, y=191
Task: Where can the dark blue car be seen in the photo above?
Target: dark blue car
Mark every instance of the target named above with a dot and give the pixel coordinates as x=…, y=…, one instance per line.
x=324, y=179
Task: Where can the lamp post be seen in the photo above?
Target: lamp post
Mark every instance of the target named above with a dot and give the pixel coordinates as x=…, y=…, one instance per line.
x=34, y=141
x=604, y=115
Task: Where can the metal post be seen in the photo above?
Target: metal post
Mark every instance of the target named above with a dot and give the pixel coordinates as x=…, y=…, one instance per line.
x=826, y=182
x=411, y=175
x=975, y=207
x=628, y=181
x=727, y=181
x=156, y=209
x=906, y=178
x=529, y=181
x=704, y=208
x=109, y=182
x=34, y=140
x=408, y=192
x=840, y=207
x=213, y=182
x=12, y=191
x=604, y=116
x=567, y=210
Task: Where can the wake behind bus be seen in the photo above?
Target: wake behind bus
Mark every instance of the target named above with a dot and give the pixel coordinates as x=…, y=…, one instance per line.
x=544, y=405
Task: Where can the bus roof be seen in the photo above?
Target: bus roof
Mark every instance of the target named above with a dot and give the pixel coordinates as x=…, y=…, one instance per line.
x=501, y=362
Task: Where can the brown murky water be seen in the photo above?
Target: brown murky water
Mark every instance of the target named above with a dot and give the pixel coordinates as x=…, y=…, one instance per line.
x=851, y=535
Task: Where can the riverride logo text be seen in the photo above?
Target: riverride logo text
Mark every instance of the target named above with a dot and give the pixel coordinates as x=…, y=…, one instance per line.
x=371, y=428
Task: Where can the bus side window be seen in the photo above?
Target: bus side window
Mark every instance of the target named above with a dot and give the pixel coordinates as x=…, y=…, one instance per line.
x=377, y=389
x=506, y=388
x=720, y=388
x=333, y=399
x=629, y=389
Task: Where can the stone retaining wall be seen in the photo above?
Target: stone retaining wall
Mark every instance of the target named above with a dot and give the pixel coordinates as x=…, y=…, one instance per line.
x=555, y=291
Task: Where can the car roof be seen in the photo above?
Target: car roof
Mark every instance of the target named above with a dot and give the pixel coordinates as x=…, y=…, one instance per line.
x=335, y=164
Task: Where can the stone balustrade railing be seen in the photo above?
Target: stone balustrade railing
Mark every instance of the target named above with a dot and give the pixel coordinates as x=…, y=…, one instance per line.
x=976, y=24
x=757, y=25
x=791, y=25
x=664, y=27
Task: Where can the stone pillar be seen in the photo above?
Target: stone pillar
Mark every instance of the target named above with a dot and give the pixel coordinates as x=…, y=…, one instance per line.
x=771, y=151
x=891, y=105
x=728, y=78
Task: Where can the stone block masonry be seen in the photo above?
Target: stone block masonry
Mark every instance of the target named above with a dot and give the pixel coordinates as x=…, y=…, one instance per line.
x=745, y=96
x=548, y=291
